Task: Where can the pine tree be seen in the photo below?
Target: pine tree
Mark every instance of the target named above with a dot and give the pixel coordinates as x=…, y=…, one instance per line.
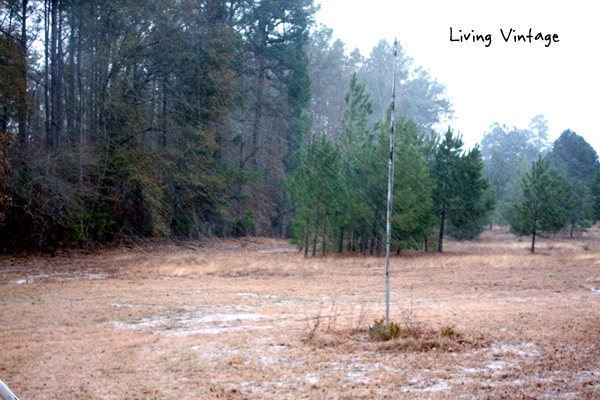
x=475, y=204
x=573, y=154
x=359, y=106
x=504, y=150
x=545, y=206
x=595, y=189
x=577, y=163
x=581, y=214
x=316, y=191
x=356, y=144
x=445, y=175
x=460, y=189
x=412, y=216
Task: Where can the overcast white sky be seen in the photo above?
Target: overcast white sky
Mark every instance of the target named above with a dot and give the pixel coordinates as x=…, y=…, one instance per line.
x=505, y=82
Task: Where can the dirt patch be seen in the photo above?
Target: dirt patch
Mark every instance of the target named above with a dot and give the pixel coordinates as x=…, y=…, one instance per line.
x=254, y=319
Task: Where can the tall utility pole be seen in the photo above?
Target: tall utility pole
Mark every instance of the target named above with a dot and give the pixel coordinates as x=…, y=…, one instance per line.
x=389, y=199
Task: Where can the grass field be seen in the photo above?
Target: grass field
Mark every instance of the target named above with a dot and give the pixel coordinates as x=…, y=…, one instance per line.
x=254, y=319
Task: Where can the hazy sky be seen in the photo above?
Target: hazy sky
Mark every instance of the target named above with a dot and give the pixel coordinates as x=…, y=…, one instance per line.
x=506, y=82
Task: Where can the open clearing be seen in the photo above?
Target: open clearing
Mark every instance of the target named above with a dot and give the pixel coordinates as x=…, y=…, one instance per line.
x=254, y=319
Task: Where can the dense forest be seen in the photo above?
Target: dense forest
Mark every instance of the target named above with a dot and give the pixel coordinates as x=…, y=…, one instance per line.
x=126, y=120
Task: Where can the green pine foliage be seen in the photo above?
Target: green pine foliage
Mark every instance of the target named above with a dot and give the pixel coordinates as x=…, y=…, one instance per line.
x=595, y=190
x=546, y=203
x=316, y=191
x=460, y=192
x=507, y=153
x=572, y=154
x=340, y=190
x=472, y=211
x=577, y=164
x=412, y=218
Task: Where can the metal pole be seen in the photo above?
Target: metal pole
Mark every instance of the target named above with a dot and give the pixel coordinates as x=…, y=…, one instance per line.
x=389, y=199
x=5, y=392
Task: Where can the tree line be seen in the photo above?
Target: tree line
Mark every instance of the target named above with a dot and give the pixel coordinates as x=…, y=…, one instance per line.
x=542, y=187
x=340, y=186
x=129, y=119
x=136, y=119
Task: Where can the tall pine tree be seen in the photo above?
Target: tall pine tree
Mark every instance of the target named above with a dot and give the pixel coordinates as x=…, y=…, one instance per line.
x=545, y=206
x=460, y=189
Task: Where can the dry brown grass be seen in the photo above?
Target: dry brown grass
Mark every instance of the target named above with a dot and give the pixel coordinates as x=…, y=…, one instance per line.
x=254, y=319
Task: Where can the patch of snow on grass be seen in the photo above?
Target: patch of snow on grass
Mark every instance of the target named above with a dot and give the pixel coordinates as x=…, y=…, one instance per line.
x=183, y=324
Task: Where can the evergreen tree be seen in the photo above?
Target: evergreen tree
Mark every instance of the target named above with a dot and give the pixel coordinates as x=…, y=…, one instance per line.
x=573, y=154
x=539, y=133
x=577, y=163
x=503, y=150
x=316, y=191
x=545, y=206
x=356, y=164
x=445, y=175
x=412, y=217
x=359, y=106
x=330, y=70
x=357, y=220
x=423, y=97
x=275, y=91
x=581, y=214
x=460, y=189
x=595, y=189
x=472, y=211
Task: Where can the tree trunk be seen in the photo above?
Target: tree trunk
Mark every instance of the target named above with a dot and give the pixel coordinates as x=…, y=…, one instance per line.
x=572, y=226
x=80, y=104
x=364, y=240
x=341, y=249
x=22, y=110
x=71, y=103
x=440, y=244
x=283, y=226
x=306, y=247
x=535, y=220
x=49, y=141
x=373, y=233
x=55, y=124
x=163, y=141
x=284, y=216
x=314, y=252
x=258, y=113
x=59, y=77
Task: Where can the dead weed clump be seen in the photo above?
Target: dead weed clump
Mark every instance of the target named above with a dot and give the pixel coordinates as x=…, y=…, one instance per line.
x=380, y=331
x=322, y=327
x=395, y=339
x=412, y=335
x=337, y=338
x=428, y=339
x=408, y=335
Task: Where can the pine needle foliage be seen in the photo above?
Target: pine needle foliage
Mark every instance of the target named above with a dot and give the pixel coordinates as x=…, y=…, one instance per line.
x=545, y=206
